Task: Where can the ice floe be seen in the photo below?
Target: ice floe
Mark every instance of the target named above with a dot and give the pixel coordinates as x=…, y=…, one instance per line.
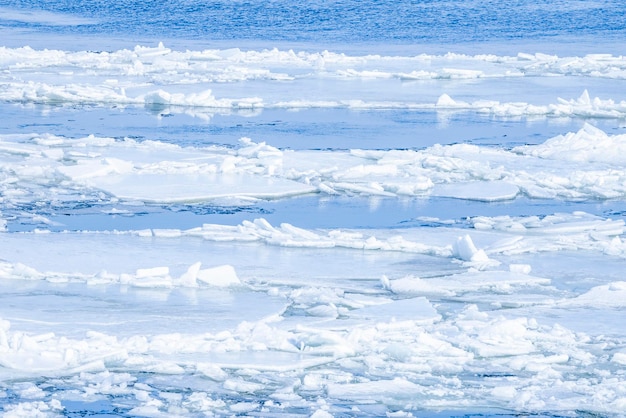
x=159, y=77
x=588, y=166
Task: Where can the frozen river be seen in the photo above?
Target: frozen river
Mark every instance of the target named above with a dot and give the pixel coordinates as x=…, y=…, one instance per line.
x=312, y=209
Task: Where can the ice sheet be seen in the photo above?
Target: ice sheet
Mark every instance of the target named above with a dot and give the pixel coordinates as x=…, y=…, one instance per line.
x=194, y=188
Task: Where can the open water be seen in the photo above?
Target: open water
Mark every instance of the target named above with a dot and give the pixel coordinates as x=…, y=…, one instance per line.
x=372, y=25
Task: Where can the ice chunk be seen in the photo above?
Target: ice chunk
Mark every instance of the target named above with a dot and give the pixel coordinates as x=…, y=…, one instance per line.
x=189, y=278
x=212, y=371
x=320, y=413
x=446, y=101
x=589, y=144
x=221, y=276
x=87, y=169
x=502, y=337
x=195, y=188
x=326, y=311
x=504, y=392
x=381, y=390
x=520, y=268
x=415, y=309
x=149, y=277
x=619, y=358
x=465, y=249
x=485, y=281
x=152, y=272
x=492, y=191
x=415, y=286
x=612, y=295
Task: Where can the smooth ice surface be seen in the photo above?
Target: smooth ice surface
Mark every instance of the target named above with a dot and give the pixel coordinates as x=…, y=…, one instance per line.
x=390, y=209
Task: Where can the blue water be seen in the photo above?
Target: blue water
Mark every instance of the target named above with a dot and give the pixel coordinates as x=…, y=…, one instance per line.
x=349, y=23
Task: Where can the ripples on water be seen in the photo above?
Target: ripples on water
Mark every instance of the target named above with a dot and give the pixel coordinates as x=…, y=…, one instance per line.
x=337, y=22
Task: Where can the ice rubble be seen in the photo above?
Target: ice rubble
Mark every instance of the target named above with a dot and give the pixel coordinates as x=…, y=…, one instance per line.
x=404, y=359
x=393, y=344
x=500, y=236
x=151, y=277
x=400, y=340
x=583, y=165
x=589, y=144
x=583, y=106
x=158, y=77
x=164, y=64
x=396, y=346
x=43, y=93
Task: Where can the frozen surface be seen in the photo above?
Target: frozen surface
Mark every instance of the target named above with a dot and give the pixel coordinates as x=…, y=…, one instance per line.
x=427, y=221
x=435, y=318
